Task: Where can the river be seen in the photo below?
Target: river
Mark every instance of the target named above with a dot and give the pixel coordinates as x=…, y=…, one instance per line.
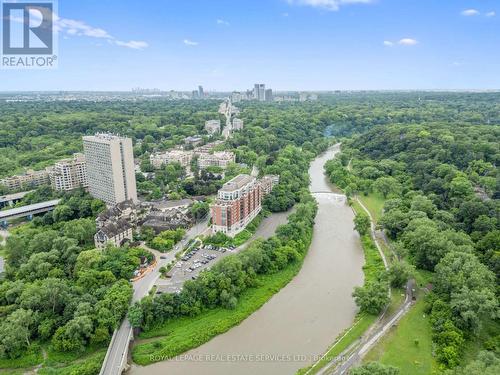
x=299, y=322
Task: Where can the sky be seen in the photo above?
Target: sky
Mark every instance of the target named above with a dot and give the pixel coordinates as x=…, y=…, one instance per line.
x=228, y=45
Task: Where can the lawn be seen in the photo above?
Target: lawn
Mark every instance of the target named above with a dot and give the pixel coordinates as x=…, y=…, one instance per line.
x=179, y=335
x=374, y=202
x=409, y=346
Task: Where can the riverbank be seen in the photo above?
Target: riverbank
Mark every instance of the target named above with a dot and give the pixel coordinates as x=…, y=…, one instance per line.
x=180, y=335
x=296, y=322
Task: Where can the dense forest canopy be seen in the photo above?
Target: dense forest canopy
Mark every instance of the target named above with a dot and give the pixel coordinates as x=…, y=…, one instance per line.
x=34, y=134
x=433, y=157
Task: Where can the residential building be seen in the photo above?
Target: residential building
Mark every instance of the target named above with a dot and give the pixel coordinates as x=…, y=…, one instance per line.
x=30, y=179
x=173, y=156
x=115, y=233
x=217, y=159
x=238, y=202
x=268, y=182
x=237, y=124
x=207, y=147
x=212, y=126
x=126, y=210
x=201, y=94
x=110, y=168
x=69, y=174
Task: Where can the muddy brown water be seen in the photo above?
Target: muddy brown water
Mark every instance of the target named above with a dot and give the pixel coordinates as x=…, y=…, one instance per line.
x=299, y=322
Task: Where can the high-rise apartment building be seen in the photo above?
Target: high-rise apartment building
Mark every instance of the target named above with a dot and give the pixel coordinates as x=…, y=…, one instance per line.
x=110, y=168
x=69, y=174
x=238, y=202
x=201, y=94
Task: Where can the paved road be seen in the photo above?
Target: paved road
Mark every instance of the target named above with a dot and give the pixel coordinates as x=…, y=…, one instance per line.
x=118, y=349
x=1, y=265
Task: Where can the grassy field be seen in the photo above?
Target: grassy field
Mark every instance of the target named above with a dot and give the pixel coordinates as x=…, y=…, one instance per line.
x=374, y=202
x=179, y=335
x=408, y=347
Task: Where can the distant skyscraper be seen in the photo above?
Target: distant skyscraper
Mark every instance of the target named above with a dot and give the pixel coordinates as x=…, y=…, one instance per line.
x=200, y=92
x=110, y=168
x=268, y=97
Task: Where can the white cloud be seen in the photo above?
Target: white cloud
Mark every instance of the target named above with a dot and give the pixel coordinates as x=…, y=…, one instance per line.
x=222, y=22
x=134, y=44
x=491, y=14
x=408, y=42
x=285, y=14
x=332, y=5
x=470, y=12
x=388, y=43
x=71, y=28
x=189, y=42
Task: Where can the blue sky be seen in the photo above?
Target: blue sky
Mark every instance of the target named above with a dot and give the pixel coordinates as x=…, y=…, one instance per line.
x=287, y=44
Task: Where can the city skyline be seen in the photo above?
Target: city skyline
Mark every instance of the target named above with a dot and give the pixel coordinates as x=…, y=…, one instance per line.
x=297, y=45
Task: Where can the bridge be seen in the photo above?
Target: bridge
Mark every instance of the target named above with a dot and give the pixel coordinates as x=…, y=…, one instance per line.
x=10, y=199
x=27, y=211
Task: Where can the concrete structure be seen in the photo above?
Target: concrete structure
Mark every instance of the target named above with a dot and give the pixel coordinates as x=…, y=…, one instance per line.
x=69, y=174
x=237, y=124
x=217, y=159
x=10, y=199
x=114, y=233
x=173, y=156
x=238, y=202
x=268, y=96
x=30, y=179
x=27, y=211
x=212, y=126
x=110, y=168
x=268, y=182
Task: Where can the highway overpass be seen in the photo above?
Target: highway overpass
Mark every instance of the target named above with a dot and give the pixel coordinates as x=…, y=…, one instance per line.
x=27, y=211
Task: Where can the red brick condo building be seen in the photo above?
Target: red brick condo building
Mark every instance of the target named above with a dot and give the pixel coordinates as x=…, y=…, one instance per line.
x=238, y=202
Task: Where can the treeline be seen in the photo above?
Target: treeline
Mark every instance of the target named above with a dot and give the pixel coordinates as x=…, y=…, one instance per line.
x=222, y=284
x=36, y=134
x=442, y=211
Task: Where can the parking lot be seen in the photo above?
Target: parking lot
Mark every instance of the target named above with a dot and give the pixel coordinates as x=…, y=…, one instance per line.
x=190, y=265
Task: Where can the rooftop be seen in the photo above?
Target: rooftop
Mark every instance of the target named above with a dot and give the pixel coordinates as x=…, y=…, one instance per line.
x=237, y=182
x=113, y=229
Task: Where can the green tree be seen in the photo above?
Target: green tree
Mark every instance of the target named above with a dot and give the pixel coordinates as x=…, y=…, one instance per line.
x=362, y=223
x=372, y=298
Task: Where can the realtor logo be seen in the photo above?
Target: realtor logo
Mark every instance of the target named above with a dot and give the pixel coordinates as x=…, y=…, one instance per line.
x=28, y=35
